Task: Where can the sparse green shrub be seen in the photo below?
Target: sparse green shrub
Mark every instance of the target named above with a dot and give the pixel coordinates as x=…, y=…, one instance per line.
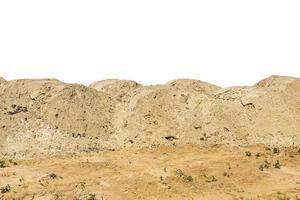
x=210, y=179
x=248, y=153
x=226, y=174
x=5, y=189
x=281, y=196
x=58, y=196
x=268, y=148
x=2, y=164
x=53, y=176
x=277, y=164
x=276, y=150
x=266, y=164
x=186, y=178
x=13, y=162
x=92, y=197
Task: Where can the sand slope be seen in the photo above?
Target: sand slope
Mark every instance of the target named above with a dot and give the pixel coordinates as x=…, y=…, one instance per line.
x=46, y=117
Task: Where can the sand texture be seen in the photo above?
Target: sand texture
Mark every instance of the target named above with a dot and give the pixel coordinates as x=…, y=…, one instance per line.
x=117, y=139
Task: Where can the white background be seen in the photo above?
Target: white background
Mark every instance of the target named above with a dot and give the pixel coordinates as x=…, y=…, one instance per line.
x=227, y=42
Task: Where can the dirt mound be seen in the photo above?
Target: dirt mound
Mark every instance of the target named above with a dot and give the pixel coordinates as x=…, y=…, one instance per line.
x=41, y=117
x=50, y=116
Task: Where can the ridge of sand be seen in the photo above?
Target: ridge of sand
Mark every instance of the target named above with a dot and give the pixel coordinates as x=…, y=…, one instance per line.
x=47, y=117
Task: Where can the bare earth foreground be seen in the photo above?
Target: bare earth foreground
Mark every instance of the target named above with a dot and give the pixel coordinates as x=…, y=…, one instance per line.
x=117, y=139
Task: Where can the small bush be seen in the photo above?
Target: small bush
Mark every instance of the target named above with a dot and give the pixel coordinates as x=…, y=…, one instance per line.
x=53, y=176
x=210, y=179
x=257, y=155
x=266, y=164
x=248, y=153
x=226, y=174
x=261, y=167
x=2, y=164
x=186, y=178
x=276, y=150
x=281, y=196
x=92, y=197
x=5, y=189
x=277, y=164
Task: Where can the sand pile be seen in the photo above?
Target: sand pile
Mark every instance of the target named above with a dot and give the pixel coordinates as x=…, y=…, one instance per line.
x=42, y=117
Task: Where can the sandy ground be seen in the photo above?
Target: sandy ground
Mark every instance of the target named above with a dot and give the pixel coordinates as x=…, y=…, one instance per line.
x=182, y=172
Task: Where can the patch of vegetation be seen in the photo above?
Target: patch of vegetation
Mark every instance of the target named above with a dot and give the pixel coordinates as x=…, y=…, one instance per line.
x=12, y=162
x=92, y=197
x=2, y=164
x=210, y=179
x=266, y=164
x=58, y=196
x=5, y=189
x=281, y=196
x=187, y=178
x=268, y=148
x=276, y=150
x=53, y=176
x=277, y=164
x=226, y=174
x=248, y=153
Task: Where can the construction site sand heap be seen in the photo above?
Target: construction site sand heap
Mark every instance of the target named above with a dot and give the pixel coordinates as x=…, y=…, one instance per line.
x=48, y=117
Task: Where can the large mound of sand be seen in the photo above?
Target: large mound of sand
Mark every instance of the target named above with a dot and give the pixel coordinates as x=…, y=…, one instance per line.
x=41, y=117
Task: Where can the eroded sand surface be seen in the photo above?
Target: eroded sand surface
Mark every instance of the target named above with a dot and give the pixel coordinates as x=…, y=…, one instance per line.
x=118, y=139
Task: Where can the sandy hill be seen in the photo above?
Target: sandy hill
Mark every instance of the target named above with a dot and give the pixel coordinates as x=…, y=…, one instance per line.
x=42, y=117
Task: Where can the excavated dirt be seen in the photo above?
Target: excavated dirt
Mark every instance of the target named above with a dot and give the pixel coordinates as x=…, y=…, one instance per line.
x=118, y=139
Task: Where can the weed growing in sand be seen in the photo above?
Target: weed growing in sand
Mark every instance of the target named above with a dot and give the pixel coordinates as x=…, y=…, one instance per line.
x=2, y=164
x=187, y=178
x=226, y=174
x=281, y=196
x=277, y=164
x=276, y=150
x=92, y=197
x=58, y=196
x=248, y=153
x=210, y=179
x=12, y=162
x=53, y=176
x=5, y=189
x=257, y=155
x=266, y=164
